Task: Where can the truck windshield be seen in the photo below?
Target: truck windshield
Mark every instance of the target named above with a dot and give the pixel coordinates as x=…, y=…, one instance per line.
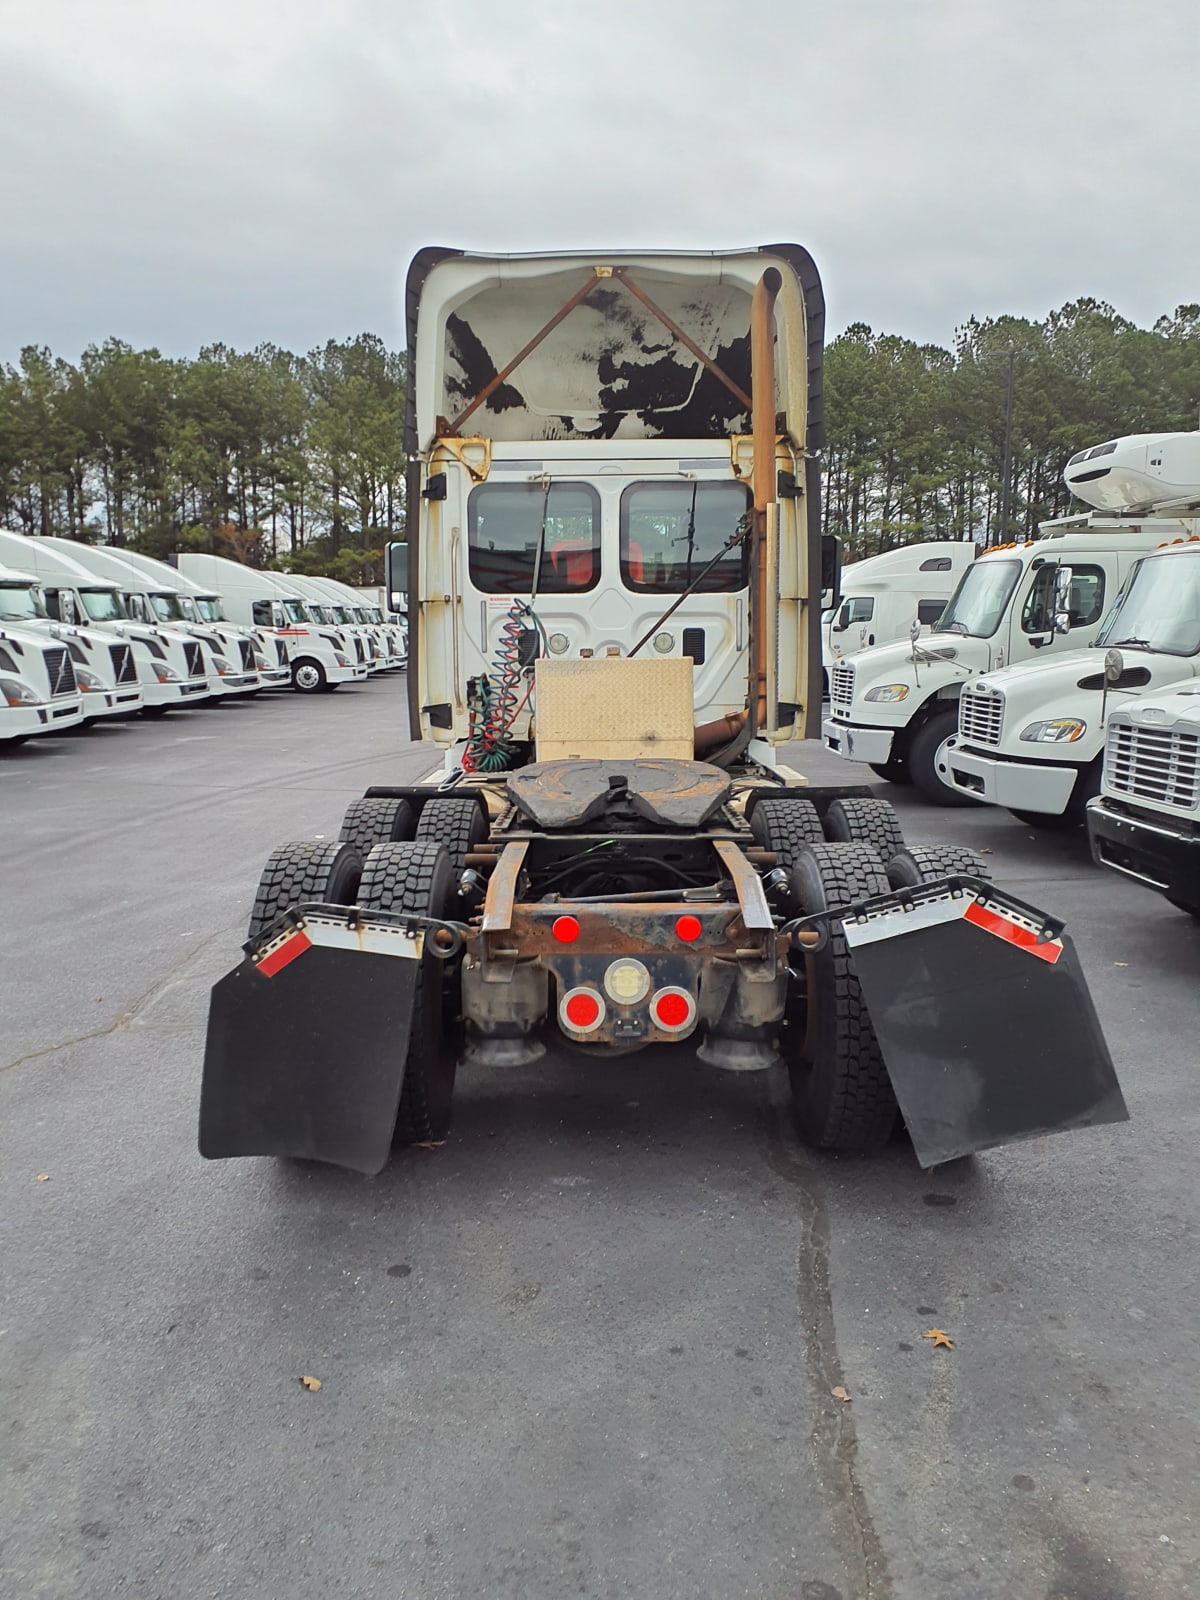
x=168, y=607
x=295, y=611
x=671, y=531
x=978, y=603
x=1160, y=609
x=103, y=605
x=209, y=609
x=20, y=603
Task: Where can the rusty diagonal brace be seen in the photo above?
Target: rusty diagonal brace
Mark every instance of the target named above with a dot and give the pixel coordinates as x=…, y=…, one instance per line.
x=581, y=294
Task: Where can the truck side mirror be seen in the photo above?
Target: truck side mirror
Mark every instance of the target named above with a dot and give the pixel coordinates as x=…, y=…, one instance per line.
x=831, y=570
x=396, y=561
x=1062, y=599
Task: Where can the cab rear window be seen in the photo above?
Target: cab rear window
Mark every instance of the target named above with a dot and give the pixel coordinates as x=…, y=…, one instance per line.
x=671, y=531
x=504, y=529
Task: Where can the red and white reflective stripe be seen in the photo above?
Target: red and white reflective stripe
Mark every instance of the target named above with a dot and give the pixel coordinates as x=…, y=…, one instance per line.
x=951, y=908
x=283, y=953
x=377, y=939
x=1013, y=932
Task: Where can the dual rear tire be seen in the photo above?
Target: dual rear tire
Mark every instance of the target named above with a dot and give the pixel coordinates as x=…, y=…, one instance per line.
x=841, y=1094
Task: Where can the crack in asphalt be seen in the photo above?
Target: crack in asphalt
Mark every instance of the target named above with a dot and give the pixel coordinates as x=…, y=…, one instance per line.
x=834, y=1437
x=132, y=1012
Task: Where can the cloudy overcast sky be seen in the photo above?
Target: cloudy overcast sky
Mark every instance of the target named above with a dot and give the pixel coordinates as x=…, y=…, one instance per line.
x=176, y=172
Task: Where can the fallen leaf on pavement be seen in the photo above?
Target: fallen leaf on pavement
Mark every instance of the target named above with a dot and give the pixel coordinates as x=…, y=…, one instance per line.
x=43, y=1177
x=939, y=1338
x=429, y=1144
x=311, y=1383
x=839, y=1393
x=1120, y=963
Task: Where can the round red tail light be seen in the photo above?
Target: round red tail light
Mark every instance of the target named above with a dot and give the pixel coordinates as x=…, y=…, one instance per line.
x=689, y=929
x=565, y=929
x=673, y=1009
x=581, y=1010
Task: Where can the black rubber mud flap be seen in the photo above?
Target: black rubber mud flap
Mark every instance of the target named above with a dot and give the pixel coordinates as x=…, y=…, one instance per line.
x=984, y=1018
x=307, y=1041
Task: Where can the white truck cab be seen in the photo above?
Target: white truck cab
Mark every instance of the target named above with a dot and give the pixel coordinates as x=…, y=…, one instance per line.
x=896, y=706
x=334, y=610
x=884, y=595
x=105, y=672
x=1145, y=823
x=38, y=691
x=1031, y=737
x=237, y=653
x=272, y=602
x=78, y=594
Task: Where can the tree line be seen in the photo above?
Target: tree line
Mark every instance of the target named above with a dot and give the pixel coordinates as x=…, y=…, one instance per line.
x=262, y=455
x=272, y=457
x=917, y=434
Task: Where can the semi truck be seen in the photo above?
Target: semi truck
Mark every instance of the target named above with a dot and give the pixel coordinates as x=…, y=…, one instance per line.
x=170, y=674
x=271, y=602
x=105, y=670
x=38, y=691
x=1145, y=822
x=1032, y=737
x=884, y=595
x=615, y=573
x=245, y=666
x=331, y=610
x=896, y=707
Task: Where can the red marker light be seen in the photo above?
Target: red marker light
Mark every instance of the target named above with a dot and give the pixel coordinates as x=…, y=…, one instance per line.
x=582, y=1010
x=565, y=929
x=689, y=929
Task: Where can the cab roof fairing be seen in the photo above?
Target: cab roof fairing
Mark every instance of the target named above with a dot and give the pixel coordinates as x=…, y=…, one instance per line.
x=610, y=369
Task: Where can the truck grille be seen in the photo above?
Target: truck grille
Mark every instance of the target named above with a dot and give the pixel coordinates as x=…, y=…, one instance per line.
x=1161, y=765
x=60, y=671
x=981, y=715
x=247, y=650
x=124, y=667
x=194, y=657
x=358, y=649
x=841, y=686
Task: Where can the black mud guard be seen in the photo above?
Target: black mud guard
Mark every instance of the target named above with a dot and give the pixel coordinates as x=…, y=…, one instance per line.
x=307, y=1040
x=984, y=1019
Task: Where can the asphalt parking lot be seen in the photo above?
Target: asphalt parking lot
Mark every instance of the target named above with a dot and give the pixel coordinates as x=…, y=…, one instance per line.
x=588, y=1347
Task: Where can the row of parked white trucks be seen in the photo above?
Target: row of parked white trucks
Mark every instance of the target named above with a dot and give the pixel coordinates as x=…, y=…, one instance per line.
x=1062, y=681
x=88, y=632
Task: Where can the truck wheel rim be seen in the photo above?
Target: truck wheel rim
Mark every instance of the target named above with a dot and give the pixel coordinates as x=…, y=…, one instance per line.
x=307, y=677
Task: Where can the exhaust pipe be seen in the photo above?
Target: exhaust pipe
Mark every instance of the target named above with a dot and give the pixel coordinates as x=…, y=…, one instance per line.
x=762, y=392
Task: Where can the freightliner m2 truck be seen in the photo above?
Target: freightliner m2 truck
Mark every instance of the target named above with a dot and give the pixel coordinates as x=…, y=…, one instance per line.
x=1031, y=737
x=615, y=575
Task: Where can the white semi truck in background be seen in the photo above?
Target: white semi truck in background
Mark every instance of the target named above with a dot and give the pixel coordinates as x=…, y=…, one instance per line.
x=616, y=572
x=105, y=671
x=1031, y=738
x=884, y=595
x=38, y=691
x=76, y=594
x=896, y=706
x=1145, y=823
x=248, y=666
x=317, y=655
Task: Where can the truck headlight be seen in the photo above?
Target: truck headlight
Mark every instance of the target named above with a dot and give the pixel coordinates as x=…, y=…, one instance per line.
x=224, y=668
x=164, y=673
x=1058, y=730
x=889, y=693
x=88, y=681
x=17, y=693
x=342, y=660
x=261, y=663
